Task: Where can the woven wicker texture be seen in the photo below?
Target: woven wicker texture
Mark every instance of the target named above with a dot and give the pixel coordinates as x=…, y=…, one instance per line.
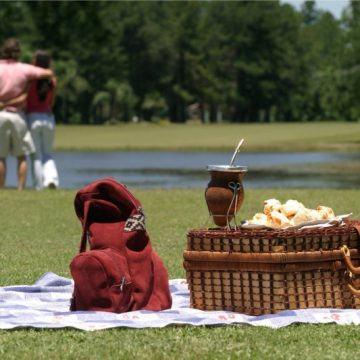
x=256, y=293
x=262, y=272
x=274, y=240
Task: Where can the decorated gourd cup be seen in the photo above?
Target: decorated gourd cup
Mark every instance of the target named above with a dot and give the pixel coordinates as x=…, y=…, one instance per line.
x=224, y=194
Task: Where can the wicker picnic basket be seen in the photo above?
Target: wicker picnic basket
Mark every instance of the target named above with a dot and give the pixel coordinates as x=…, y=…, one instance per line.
x=266, y=271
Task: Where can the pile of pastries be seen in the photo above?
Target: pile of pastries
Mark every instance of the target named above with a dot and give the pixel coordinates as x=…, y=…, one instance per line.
x=291, y=213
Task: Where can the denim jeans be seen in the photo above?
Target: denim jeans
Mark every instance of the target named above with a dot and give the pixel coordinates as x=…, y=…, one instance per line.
x=44, y=171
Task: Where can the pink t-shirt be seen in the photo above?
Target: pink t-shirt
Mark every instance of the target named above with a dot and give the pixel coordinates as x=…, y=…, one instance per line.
x=14, y=77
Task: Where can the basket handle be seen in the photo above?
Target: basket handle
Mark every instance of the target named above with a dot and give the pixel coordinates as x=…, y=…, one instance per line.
x=345, y=252
x=353, y=290
x=351, y=270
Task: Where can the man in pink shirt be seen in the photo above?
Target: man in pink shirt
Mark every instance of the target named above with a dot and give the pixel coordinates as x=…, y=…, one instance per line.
x=14, y=134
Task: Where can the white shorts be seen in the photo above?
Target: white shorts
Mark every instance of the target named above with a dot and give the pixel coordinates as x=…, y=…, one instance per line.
x=15, y=138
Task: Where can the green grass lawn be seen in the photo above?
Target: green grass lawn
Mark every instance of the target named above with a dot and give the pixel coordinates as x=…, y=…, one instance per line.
x=40, y=232
x=258, y=137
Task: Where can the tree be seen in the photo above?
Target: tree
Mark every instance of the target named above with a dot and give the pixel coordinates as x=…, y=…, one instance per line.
x=242, y=61
x=351, y=72
x=323, y=42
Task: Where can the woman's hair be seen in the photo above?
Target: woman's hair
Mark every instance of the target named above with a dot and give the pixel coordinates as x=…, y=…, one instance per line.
x=43, y=59
x=11, y=49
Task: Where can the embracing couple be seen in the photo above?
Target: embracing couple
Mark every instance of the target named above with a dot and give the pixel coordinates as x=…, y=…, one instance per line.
x=27, y=124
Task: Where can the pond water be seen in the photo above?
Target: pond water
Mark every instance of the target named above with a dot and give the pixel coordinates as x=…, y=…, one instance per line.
x=188, y=169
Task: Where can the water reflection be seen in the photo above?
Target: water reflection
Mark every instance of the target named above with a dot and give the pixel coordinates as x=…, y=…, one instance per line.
x=179, y=169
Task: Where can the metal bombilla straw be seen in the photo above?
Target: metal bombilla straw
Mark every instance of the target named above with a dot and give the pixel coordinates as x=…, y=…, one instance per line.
x=233, y=186
x=235, y=152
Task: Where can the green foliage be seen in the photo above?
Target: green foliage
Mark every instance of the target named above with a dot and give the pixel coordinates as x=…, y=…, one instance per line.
x=242, y=61
x=116, y=102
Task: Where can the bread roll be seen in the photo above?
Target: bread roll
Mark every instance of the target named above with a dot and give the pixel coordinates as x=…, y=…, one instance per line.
x=279, y=220
x=291, y=213
x=325, y=212
x=270, y=205
x=291, y=207
x=305, y=215
x=259, y=219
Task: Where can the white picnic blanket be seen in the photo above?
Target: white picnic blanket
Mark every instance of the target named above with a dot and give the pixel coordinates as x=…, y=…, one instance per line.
x=46, y=305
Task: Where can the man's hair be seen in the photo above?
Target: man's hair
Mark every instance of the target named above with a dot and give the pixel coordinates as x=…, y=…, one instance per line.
x=11, y=49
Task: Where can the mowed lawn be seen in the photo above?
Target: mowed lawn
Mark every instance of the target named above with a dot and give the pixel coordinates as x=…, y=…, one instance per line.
x=317, y=136
x=40, y=232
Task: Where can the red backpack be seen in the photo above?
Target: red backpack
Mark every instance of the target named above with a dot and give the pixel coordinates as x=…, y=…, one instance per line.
x=121, y=272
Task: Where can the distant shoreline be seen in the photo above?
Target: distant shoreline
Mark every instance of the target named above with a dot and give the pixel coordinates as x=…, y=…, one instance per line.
x=276, y=137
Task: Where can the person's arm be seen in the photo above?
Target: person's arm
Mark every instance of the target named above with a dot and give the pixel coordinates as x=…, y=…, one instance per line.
x=54, y=91
x=33, y=72
x=16, y=101
x=46, y=73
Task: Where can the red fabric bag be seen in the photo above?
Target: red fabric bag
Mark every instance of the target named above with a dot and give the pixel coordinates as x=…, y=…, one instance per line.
x=121, y=272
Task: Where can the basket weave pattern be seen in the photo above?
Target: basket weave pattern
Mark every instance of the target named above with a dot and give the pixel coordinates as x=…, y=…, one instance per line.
x=265, y=293
x=273, y=240
x=261, y=272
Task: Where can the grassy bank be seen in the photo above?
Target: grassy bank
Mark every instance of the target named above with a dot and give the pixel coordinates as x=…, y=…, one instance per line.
x=40, y=232
x=259, y=137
